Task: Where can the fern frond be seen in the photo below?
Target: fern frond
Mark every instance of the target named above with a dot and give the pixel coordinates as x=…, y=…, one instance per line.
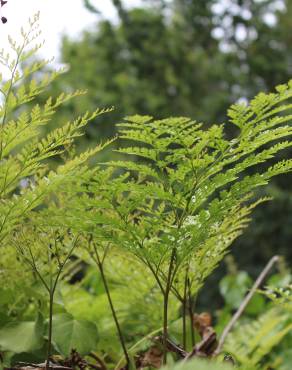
x=251, y=342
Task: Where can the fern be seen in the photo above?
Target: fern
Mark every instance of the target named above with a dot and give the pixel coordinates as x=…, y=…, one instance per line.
x=251, y=342
x=28, y=180
x=281, y=296
x=179, y=209
x=25, y=178
x=199, y=196
x=176, y=211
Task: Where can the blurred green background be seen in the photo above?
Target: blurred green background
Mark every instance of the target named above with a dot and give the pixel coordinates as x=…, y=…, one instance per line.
x=188, y=58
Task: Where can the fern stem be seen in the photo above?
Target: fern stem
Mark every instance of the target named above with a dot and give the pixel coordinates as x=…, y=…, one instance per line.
x=165, y=322
x=191, y=312
x=104, y=280
x=184, y=325
x=50, y=330
x=165, y=304
x=184, y=313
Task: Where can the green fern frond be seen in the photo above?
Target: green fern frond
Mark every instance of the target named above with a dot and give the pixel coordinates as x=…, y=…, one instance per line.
x=251, y=342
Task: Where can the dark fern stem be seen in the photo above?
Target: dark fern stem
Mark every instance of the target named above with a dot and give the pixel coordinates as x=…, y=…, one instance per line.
x=184, y=313
x=165, y=304
x=191, y=313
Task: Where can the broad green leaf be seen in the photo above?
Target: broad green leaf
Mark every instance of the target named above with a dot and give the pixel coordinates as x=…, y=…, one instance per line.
x=234, y=287
x=69, y=333
x=23, y=336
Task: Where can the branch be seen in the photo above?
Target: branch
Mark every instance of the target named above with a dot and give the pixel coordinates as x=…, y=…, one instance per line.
x=34, y=266
x=64, y=263
x=245, y=302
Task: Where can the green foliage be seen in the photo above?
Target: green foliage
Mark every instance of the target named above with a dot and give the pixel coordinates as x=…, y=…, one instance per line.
x=281, y=296
x=25, y=336
x=153, y=229
x=70, y=333
x=233, y=288
x=26, y=180
x=194, y=70
x=201, y=64
x=188, y=183
x=251, y=342
x=29, y=182
x=262, y=337
x=179, y=210
x=139, y=314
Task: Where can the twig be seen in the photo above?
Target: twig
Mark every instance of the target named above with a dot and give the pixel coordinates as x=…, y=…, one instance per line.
x=98, y=360
x=245, y=302
x=205, y=348
x=27, y=365
x=172, y=347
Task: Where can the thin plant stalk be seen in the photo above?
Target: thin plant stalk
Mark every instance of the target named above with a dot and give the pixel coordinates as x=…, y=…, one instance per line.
x=99, y=263
x=165, y=303
x=191, y=313
x=51, y=291
x=184, y=314
x=50, y=331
